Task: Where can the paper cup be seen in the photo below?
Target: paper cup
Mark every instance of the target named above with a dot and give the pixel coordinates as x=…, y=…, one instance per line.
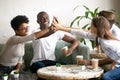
x=65, y=50
x=95, y=63
x=79, y=58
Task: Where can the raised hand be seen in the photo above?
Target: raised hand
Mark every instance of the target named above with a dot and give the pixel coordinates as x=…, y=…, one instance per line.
x=56, y=24
x=69, y=52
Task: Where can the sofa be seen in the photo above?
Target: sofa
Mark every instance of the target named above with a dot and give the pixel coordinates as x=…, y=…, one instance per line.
x=81, y=50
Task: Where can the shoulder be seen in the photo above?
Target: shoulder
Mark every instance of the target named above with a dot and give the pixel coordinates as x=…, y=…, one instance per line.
x=36, y=30
x=13, y=37
x=114, y=27
x=59, y=33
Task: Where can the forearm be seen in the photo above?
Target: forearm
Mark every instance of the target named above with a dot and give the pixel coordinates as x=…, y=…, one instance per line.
x=105, y=61
x=48, y=33
x=58, y=26
x=75, y=44
x=41, y=33
x=18, y=66
x=66, y=29
x=101, y=62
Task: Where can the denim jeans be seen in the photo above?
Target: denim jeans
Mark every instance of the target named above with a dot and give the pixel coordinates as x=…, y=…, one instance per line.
x=35, y=66
x=6, y=69
x=112, y=74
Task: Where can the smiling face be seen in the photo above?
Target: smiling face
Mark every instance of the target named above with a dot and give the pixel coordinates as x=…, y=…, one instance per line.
x=20, y=25
x=23, y=30
x=43, y=20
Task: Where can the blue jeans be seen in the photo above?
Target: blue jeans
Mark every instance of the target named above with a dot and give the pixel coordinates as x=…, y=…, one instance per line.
x=6, y=69
x=112, y=74
x=36, y=65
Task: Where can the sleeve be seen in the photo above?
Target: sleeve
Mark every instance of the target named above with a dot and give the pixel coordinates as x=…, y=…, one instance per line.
x=21, y=39
x=112, y=52
x=20, y=60
x=60, y=34
x=115, y=31
x=83, y=34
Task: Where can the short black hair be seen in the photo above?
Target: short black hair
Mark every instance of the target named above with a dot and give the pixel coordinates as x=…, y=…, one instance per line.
x=18, y=20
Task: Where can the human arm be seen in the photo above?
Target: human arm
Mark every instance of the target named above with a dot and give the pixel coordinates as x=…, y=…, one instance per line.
x=101, y=62
x=18, y=67
x=35, y=35
x=58, y=26
x=113, y=65
x=43, y=33
x=105, y=61
x=19, y=64
x=75, y=31
x=74, y=42
x=51, y=31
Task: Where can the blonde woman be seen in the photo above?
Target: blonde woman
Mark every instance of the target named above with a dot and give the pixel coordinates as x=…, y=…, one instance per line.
x=100, y=32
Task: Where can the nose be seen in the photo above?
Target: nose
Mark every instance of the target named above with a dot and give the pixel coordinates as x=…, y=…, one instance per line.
x=45, y=19
x=27, y=29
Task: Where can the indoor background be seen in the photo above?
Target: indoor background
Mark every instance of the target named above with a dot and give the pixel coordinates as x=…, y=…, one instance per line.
x=63, y=9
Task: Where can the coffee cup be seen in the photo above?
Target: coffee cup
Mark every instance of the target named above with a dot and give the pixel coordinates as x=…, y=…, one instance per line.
x=79, y=59
x=95, y=63
x=65, y=50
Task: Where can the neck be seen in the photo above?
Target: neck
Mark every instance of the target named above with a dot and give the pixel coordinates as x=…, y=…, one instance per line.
x=44, y=27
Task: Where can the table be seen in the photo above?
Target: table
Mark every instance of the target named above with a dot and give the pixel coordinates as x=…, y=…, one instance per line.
x=69, y=72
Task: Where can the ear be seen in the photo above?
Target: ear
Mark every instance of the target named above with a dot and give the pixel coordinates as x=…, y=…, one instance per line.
x=16, y=32
x=37, y=21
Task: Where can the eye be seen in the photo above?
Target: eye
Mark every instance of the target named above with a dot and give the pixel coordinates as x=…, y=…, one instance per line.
x=42, y=18
x=26, y=28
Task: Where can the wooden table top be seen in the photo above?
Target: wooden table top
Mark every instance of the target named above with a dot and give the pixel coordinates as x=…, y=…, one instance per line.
x=69, y=72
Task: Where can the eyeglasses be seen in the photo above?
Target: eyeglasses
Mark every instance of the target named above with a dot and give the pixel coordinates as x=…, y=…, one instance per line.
x=23, y=29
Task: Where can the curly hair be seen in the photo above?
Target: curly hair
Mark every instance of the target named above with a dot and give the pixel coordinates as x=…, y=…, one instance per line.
x=18, y=20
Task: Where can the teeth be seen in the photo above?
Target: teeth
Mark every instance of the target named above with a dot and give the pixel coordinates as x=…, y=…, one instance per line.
x=46, y=22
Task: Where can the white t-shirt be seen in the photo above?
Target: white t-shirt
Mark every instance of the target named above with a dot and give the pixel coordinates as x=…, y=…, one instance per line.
x=115, y=31
x=13, y=51
x=110, y=47
x=44, y=47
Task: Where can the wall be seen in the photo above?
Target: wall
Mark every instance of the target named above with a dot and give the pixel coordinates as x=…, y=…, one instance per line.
x=115, y=5
x=61, y=8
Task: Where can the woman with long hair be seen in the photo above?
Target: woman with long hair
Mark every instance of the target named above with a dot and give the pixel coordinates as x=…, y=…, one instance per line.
x=100, y=32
